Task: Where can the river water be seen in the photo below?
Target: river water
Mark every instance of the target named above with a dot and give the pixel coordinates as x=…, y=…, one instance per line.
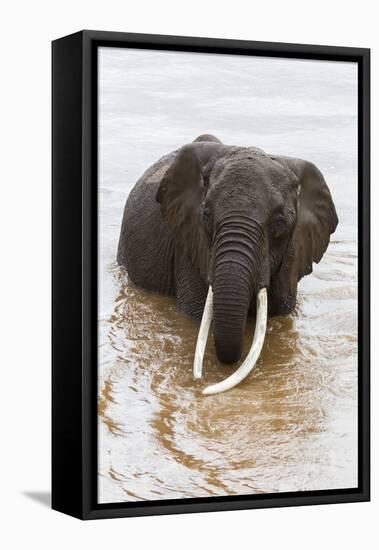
x=292, y=425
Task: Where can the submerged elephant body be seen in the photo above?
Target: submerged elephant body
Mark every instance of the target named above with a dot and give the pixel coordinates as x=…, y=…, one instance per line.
x=231, y=218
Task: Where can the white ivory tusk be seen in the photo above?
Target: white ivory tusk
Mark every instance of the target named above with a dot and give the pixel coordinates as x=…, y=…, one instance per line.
x=255, y=350
x=203, y=335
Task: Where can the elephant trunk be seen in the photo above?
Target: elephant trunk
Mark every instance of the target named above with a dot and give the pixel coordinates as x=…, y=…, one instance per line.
x=230, y=308
x=237, y=264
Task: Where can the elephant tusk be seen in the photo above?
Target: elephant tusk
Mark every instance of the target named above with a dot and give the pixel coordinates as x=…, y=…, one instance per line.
x=203, y=335
x=255, y=350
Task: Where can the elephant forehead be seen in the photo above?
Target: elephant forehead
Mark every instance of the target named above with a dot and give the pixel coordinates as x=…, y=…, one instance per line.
x=256, y=179
x=252, y=166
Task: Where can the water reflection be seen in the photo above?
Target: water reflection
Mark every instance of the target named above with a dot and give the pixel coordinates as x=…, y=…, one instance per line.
x=165, y=439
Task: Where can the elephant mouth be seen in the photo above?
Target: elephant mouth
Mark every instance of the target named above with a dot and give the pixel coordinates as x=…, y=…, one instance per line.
x=256, y=347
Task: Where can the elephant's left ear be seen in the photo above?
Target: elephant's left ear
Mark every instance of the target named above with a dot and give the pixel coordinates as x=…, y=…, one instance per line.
x=180, y=194
x=316, y=215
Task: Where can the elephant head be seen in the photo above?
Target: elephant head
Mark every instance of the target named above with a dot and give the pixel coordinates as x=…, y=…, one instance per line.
x=252, y=224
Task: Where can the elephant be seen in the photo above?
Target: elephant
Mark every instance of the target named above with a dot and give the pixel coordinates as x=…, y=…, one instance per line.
x=229, y=231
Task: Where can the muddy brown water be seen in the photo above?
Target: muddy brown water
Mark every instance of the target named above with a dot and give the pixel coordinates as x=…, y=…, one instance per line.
x=291, y=425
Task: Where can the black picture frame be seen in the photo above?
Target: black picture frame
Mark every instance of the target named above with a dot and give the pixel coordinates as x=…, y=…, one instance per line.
x=74, y=272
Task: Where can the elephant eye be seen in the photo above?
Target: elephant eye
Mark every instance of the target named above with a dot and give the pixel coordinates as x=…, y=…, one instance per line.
x=279, y=226
x=206, y=217
x=205, y=211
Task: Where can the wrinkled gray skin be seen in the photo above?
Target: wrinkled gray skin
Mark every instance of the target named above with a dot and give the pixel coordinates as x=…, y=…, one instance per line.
x=233, y=217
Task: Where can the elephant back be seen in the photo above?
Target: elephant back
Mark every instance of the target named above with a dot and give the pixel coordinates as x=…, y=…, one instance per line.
x=144, y=233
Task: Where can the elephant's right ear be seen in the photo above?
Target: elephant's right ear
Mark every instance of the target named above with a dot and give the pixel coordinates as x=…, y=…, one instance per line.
x=180, y=194
x=316, y=215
